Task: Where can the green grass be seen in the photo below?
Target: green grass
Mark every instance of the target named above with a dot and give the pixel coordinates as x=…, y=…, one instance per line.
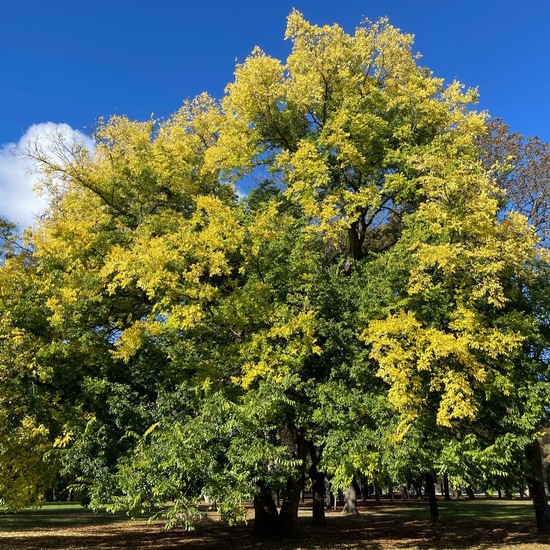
x=54, y=514
x=511, y=510
x=460, y=510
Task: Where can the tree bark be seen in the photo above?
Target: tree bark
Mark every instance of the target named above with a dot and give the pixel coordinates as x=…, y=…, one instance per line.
x=363, y=488
x=267, y=521
x=430, y=488
x=334, y=500
x=446, y=487
x=291, y=501
x=289, y=508
x=266, y=517
x=355, y=244
x=535, y=481
x=419, y=487
x=350, y=499
x=329, y=501
x=318, y=488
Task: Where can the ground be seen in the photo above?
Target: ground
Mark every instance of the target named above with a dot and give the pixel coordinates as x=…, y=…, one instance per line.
x=483, y=524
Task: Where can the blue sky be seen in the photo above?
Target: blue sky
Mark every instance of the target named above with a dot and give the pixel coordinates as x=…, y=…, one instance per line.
x=69, y=62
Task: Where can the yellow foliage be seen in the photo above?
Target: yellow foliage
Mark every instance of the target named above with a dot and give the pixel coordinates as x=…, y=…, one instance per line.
x=417, y=360
x=280, y=350
x=24, y=475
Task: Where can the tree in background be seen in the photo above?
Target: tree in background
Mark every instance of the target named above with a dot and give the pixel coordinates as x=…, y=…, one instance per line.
x=32, y=417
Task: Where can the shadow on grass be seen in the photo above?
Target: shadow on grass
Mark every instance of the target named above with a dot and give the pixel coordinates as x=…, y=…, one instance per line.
x=399, y=526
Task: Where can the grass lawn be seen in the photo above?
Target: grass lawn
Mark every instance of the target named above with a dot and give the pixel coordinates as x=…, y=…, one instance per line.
x=480, y=524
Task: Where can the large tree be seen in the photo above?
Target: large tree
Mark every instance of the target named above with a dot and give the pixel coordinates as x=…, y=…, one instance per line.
x=360, y=298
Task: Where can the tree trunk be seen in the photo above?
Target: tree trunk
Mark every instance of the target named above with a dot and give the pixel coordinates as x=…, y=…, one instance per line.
x=291, y=501
x=329, y=502
x=446, y=487
x=377, y=493
x=334, y=500
x=266, y=517
x=289, y=509
x=419, y=487
x=430, y=488
x=267, y=521
x=535, y=481
x=350, y=499
x=364, y=488
x=303, y=486
x=318, y=488
x=355, y=243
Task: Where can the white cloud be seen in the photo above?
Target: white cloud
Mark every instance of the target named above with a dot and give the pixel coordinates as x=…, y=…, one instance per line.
x=18, y=200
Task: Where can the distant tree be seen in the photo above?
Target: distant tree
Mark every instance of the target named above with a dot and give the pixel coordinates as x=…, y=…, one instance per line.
x=521, y=168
